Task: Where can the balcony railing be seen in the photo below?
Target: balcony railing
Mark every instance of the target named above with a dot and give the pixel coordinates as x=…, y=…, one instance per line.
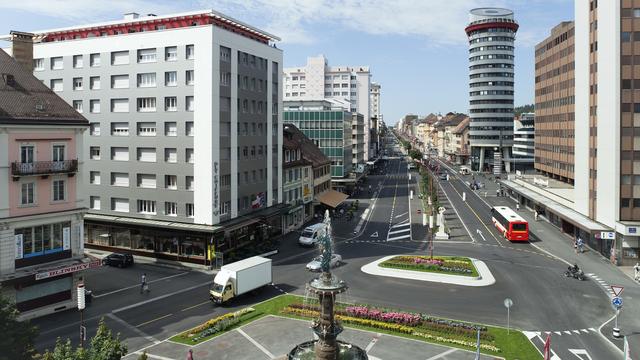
x=44, y=167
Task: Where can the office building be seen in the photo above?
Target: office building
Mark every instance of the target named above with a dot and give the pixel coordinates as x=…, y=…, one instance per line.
x=555, y=118
x=491, y=33
x=185, y=134
x=42, y=201
x=319, y=81
x=523, y=142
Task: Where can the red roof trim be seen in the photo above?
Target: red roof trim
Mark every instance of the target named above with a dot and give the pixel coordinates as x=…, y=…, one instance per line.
x=507, y=25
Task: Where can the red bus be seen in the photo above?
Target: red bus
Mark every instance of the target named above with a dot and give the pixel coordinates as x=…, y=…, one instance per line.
x=512, y=226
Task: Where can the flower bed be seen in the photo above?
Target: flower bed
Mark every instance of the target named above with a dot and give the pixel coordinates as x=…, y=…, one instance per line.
x=441, y=264
x=453, y=333
x=215, y=325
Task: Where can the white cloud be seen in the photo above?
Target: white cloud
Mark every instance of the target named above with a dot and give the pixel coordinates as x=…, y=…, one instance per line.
x=88, y=10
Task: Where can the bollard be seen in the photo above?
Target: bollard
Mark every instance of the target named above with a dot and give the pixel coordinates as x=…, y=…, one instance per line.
x=616, y=332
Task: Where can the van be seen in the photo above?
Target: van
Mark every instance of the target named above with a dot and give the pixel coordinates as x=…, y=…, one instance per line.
x=465, y=170
x=311, y=234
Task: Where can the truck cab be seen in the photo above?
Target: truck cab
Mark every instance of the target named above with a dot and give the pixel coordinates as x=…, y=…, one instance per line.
x=220, y=293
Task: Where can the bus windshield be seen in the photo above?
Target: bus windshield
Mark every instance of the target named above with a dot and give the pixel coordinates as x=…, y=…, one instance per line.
x=519, y=227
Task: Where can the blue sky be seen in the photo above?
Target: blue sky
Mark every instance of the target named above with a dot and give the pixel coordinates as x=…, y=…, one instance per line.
x=416, y=49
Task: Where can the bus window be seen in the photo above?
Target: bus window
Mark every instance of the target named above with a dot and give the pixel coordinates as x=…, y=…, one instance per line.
x=518, y=227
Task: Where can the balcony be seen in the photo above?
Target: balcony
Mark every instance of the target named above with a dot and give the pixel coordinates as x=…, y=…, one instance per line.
x=44, y=168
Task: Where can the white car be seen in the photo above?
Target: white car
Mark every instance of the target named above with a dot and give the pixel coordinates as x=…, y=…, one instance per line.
x=315, y=264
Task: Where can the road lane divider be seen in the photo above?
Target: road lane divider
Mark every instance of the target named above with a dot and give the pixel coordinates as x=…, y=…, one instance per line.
x=153, y=320
x=97, y=296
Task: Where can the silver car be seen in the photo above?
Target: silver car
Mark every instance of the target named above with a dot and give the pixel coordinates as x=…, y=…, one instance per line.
x=315, y=264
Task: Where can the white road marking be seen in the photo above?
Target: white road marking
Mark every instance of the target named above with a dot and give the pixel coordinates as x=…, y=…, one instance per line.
x=579, y=352
x=257, y=344
x=399, y=237
x=160, y=297
x=398, y=231
x=152, y=356
x=138, y=285
x=441, y=355
x=400, y=225
x=133, y=328
x=370, y=345
x=397, y=216
x=480, y=233
x=374, y=235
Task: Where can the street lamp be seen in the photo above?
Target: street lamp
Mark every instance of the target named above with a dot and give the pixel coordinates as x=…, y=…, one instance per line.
x=81, y=306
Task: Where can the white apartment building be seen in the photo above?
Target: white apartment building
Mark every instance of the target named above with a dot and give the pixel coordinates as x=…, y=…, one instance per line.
x=186, y=132
x=319, y=81
x=375, y=101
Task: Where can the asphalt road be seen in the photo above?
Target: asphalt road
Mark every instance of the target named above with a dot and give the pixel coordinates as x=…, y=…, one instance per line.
x=544, y=300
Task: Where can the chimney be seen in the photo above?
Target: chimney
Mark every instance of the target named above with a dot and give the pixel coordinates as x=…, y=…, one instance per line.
x=131, y=16
x=22, y=48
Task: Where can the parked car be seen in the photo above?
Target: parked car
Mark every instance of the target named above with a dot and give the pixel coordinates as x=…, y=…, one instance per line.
x=443, y=176
x=315, y=264
x=118, y=259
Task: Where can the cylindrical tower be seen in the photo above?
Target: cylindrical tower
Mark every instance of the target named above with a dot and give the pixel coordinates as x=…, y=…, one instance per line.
x=491, y=33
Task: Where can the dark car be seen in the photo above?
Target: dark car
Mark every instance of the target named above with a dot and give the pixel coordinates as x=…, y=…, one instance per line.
x=118, y=259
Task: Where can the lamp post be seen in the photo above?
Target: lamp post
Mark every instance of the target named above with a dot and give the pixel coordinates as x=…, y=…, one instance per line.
x=81, y=306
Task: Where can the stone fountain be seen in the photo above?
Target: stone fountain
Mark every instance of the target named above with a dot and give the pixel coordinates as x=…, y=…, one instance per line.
x=326, y=327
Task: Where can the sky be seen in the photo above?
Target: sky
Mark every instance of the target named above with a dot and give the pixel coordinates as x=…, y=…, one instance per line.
x=416, y=49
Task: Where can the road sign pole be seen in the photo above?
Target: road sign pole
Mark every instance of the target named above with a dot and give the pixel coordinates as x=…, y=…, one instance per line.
x=508, y=315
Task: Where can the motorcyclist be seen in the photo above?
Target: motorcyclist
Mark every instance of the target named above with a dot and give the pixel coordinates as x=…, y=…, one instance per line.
x=574, y=269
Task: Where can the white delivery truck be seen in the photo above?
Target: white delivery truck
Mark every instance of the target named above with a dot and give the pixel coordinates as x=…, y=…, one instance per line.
x=240, y=277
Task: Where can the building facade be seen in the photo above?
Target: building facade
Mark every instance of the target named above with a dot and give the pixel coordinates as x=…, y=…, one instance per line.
x=42, y=201
x=185, y=137
x=555, y=117
x=491, y=33
x=319, y=81
x=523, y=141
x=357, y=142
x=330, y=129
x=296, y=176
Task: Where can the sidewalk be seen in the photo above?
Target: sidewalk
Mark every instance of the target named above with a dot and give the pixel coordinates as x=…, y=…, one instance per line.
x=177, y=265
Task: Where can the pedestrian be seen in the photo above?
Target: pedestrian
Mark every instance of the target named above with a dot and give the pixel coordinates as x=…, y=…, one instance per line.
x=518, y=207
x=143, y=282
x=580, y=244
x=636, y=271
x=497, y=192
x=190, y=355
x=535, y=215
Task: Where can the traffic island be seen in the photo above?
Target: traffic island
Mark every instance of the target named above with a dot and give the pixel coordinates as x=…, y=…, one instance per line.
x=453, y=270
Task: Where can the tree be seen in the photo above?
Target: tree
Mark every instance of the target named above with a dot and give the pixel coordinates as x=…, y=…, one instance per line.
x=103, y=347
x=415, y=154
x=16, y=337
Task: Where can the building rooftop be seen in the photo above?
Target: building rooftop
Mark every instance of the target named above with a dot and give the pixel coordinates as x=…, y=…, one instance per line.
x=25, y=100
x=309, y=150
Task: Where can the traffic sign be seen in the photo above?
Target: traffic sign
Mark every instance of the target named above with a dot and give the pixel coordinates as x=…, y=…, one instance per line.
x=607, y=235
x=508, y=303
x=616, y=302
x=617, y=290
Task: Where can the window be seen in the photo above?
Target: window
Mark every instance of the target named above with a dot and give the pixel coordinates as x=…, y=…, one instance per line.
x=77, y=83
x=94, y=152
x=94, y=60
x=147, y=181
x=171, y=53
x=119, y=105
x=146, y=129
x=170, y=78
x=170, y=155
x=120, y=58
x=120, y=205
x=56, y=63
x=225, y=78
x=147, y=80
x=190, y=77
x=147, y=207
x=171, y=182
x=146, y=55
x=189, y=183
x=190, y=52
x=27, y=193
x=189, y=103
x=120, y=153
x=170, y=129
x=189, y=210
x=119, y=129
x=56, y=84
x=119, y=81
x=170, y=209
x=77, y=105
x=38, y=64
x=94, y=129
x=146, y=154
x=225, y=54
x=94, y=177
x=120, y=179
x=58, y=153
x=188, y=154
x=147, y=104
x=58, y=190
x=94, y=202
x=78, y=61
x=188, y=128
x=171, y=103
x=94, y=106
x=94, y=83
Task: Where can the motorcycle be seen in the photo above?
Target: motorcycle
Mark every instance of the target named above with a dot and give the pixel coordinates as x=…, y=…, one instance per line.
x=576, y=274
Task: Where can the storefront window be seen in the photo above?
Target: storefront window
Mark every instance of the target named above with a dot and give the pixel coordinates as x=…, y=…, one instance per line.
x=37, y=239
x=121, y=238
x=27, y=240
x=46, y=237
x=142, y=241
x=169, y=245
x=42, y=239
x=57, y=235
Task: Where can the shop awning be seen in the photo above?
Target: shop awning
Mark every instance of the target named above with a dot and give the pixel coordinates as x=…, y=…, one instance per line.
x=332, y=198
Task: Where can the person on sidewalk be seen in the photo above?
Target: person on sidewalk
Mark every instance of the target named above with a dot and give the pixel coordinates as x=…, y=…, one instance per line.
x=518, y=207
x=535, y=215
x=575, y=245
x=190, y=355
x=580, y=244
x=636, y=271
